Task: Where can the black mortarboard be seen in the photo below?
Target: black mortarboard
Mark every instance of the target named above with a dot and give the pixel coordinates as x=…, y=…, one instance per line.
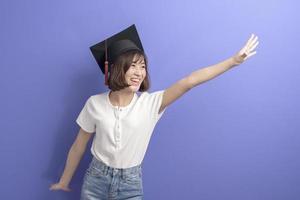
x=108, y=50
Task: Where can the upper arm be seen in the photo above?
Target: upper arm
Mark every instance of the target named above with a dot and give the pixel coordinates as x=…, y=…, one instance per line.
x=82, y=139
x=174, y=92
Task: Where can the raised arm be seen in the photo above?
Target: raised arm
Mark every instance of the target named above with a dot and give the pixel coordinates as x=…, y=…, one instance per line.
x=204, y=74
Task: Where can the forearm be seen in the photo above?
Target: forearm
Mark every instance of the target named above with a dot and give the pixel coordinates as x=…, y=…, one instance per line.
x=204, y=74
x=74, y=157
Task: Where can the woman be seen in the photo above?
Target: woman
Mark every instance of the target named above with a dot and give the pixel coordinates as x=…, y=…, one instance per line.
x=124, y=121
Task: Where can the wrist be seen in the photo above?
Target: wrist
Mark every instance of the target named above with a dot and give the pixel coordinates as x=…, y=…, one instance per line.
x=63, y=183
x=234, y=61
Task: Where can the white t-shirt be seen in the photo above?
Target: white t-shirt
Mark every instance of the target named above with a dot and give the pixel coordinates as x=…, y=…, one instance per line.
x=122, y=133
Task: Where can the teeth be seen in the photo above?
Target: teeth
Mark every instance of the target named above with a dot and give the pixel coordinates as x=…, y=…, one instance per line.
x=135, y=80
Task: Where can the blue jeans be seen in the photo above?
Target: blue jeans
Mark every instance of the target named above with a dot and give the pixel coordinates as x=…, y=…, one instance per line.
x=102, y=182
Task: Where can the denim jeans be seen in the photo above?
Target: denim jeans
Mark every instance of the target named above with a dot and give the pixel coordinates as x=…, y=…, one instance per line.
x=102, y=182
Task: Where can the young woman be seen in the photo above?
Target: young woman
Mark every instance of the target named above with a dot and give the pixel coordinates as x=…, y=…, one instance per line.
x=124, y=121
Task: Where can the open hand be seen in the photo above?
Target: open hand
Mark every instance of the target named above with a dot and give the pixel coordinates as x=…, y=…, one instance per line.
x=247, y=51
x=59, y=186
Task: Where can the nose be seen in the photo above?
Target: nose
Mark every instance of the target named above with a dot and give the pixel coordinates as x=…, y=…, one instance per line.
x=138, y=72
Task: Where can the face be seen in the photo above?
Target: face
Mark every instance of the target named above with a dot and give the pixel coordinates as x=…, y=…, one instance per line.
x=135, y=74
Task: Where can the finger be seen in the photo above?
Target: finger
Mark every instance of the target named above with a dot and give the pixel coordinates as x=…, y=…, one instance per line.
x=253, y=41
x=249, y=40
x=52, y=187
x=251, y=54
x=254, y=46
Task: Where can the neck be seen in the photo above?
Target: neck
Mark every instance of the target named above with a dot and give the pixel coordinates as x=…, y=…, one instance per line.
x=121, y=98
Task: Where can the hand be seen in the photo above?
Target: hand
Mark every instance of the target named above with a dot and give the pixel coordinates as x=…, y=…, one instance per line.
x=247, y=51
x=60, y=186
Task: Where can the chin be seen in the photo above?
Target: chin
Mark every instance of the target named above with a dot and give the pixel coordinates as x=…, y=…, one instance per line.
x=134, y=88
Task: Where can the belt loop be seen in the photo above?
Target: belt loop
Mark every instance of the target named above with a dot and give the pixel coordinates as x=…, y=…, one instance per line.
x=122, y=174
x=106, y=169
x=103, y=167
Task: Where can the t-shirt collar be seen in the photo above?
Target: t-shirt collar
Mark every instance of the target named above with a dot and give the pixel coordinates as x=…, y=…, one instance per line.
x=120, y=107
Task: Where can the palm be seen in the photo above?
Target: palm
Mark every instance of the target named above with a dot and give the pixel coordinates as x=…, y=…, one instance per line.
x=247, y=51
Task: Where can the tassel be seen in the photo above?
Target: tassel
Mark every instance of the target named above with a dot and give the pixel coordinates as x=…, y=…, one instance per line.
x=106, y=73
x=106, y=65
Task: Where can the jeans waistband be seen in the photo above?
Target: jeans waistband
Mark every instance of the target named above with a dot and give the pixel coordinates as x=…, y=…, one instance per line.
x=103, y=167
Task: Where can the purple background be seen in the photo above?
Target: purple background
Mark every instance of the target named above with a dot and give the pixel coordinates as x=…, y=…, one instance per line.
x=234, y=137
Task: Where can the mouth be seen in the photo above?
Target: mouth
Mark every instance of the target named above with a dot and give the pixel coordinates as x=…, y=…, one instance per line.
x=135, y=81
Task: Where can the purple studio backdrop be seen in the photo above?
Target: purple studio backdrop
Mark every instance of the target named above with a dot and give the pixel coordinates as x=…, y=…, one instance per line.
x=234, y=137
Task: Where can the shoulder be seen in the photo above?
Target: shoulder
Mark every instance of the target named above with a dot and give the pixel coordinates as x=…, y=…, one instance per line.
x=151, y=95
x=99, y=96
x=154, y=93
x=96, y=99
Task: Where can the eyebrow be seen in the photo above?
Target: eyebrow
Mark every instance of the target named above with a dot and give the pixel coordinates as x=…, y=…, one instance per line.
x=136, y=62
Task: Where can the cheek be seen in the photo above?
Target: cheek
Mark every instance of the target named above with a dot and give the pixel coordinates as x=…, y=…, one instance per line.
x=128, y=74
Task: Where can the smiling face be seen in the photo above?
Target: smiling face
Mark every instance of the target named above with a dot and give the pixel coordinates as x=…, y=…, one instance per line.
x=136, y=73
x=129, y=72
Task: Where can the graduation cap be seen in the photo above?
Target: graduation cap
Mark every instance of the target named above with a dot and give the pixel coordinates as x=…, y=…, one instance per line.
x=107, y=51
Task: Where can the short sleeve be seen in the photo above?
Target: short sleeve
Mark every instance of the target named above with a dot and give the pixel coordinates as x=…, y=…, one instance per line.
x=155, y=101
x=86, y=119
